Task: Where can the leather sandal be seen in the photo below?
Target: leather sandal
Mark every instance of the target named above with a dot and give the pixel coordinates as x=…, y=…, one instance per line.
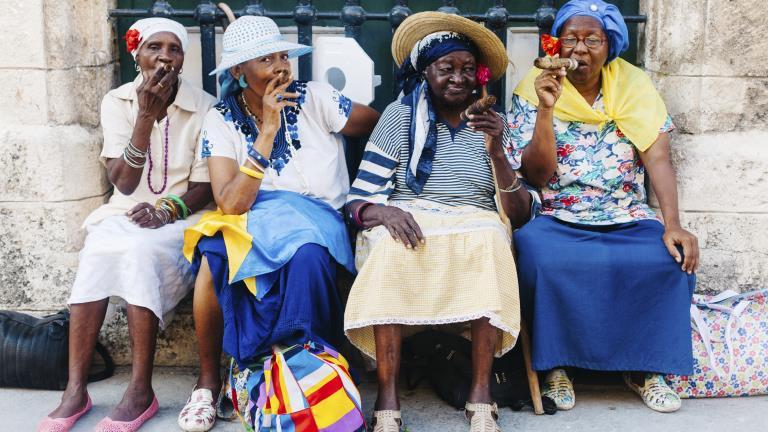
x=386, y=421
x=483, y=417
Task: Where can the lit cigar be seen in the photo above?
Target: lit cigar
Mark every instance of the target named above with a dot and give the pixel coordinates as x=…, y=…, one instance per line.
x=167, y=67
x=556, y=63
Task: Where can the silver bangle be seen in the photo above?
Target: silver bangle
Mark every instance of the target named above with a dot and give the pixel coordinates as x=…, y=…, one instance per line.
x=514, y=187
x=133, y=163
x=133, y=151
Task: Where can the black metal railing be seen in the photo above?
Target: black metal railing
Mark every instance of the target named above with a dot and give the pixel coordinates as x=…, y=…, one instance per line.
x=352, y=15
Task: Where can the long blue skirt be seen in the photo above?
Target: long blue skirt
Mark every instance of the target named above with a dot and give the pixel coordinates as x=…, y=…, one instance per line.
x=605, y=298
x=302, y=305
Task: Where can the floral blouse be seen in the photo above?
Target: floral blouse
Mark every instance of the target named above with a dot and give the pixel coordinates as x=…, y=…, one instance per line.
x=600, y=179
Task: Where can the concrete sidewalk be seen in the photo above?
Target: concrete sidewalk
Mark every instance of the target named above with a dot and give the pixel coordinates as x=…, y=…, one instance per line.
x=608, y=406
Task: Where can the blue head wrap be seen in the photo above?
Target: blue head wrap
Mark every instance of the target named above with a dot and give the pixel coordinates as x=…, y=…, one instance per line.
x=426, y=52
x=607, y=14
x=422, y=139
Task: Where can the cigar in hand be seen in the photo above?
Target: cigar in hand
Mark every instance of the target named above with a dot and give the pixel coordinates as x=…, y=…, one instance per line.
x=478, y=107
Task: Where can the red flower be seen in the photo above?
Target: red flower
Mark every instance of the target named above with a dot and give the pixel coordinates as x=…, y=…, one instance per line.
x=483, y=74
x=619, y=133
x=627, y=187
x=565, y=150
x=570, y=200
x=550, y=45
x=132, y=39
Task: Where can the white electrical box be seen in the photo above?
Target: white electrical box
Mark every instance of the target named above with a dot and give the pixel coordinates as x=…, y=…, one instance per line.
x=343, y=64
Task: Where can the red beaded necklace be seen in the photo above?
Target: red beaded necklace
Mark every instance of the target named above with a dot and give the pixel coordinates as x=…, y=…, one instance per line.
x=165, y=161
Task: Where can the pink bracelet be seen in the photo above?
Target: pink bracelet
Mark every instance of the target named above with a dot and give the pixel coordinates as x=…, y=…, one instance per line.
x=359, y=212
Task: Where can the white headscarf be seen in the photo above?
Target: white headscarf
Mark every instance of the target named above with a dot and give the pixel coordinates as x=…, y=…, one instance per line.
x=149, y=26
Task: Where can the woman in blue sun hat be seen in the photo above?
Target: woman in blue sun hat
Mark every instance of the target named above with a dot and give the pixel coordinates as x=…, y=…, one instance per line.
x=268, y=256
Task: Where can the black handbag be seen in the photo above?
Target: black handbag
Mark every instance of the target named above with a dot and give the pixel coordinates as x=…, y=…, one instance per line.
x=34, y=351
x=445, y=361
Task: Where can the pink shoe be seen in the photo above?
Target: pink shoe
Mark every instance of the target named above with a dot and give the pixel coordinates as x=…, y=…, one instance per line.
x=108, y=425
x=63, y=424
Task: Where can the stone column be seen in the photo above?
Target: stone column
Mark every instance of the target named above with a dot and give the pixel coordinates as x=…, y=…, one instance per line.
x=709, y=60
x=57, y=62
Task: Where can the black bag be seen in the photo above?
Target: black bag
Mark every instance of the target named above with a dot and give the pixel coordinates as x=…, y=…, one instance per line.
x=445, y=360
x=33, y=351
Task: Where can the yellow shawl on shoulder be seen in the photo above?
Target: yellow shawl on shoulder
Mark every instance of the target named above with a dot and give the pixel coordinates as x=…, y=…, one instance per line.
x=629, y=99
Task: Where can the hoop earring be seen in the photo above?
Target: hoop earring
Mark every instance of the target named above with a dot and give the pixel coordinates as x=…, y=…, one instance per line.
x=136, y=66
x=242, y=82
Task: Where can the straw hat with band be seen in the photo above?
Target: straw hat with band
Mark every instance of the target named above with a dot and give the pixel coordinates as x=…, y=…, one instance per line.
x=491, y=51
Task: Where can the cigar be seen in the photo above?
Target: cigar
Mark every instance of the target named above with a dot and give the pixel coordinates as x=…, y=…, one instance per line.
x=284, y=78
x=556, y=63
x=167, y=67
x=479, y=106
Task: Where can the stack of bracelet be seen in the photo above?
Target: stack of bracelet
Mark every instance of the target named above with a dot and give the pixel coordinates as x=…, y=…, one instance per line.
x=355, y=217
x=134, y=157
x=171, y=208
x=514, y=187
x=258, y=161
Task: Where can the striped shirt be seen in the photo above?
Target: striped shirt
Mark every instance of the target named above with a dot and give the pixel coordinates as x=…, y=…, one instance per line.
x=461, y=170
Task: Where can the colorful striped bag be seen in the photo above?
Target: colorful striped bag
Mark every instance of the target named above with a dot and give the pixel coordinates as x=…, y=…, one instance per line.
x=730, y=346
x=299, y=389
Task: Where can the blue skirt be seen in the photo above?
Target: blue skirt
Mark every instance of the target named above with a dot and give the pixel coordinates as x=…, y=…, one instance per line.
x=302, y=304
x=605, y=298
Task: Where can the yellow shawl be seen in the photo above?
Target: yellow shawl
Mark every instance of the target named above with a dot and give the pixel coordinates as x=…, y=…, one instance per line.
x=629, y=99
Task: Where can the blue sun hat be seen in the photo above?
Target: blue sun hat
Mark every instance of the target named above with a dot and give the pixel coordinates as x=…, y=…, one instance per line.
x=609, y=16
x=247, y=38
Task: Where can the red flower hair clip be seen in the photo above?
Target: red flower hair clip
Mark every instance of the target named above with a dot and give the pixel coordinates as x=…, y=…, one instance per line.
x=132, y=39
x=482, y=74
x=550, y=45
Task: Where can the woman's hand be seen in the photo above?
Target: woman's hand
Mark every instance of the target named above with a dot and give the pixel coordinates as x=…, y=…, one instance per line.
x=400, y=224
x=492, y=125
x=153, y=93
x=275, y=99
x=676, y=236
x=145, y=215
x=549, y=87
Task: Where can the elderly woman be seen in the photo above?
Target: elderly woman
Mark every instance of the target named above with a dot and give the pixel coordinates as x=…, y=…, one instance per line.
x=268, y=256
x=607, y=284
x=133, y=246
x=434, y=249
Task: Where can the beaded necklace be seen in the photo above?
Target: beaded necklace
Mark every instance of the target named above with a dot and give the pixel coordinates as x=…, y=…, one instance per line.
x=165, y=161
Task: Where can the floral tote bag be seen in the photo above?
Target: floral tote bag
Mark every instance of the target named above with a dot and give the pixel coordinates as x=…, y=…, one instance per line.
x=730, y=346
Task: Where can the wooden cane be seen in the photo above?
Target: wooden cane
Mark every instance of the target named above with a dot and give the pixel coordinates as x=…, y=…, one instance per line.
x=523, y=338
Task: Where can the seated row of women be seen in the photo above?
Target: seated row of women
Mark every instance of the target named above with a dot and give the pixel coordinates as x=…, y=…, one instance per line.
x=594, y=270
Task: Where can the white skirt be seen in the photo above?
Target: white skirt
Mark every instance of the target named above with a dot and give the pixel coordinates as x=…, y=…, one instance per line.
x=144, y=267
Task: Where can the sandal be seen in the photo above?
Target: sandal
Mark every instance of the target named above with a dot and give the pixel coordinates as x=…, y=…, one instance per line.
x=483, y=418
x=656, y=393
x=199, y=414
x=63, y=424
x=386, y=421
x=559, y=388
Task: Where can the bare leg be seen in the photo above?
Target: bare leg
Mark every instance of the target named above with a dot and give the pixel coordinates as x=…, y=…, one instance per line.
x=142, y=325
x=388, y=343
x=84, y=324
x=484, y=337
x=209, y=327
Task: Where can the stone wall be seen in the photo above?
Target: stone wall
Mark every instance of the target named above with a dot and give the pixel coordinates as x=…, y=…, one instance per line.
x=59, y=60
x=709, y=59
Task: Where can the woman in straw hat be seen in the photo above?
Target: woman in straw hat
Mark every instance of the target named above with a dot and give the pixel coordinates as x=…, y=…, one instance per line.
x=132, y=249
x=268, y=256
x=434, y=249
x=617, y=295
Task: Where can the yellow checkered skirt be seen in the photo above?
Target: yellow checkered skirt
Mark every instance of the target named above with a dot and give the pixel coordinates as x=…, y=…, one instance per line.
x=463, y=272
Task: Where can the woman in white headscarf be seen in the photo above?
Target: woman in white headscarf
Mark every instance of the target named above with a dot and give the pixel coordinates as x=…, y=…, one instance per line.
x=133, y=246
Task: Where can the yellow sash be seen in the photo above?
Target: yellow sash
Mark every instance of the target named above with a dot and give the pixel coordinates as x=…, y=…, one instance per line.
x=236, y=239
x=629, y=99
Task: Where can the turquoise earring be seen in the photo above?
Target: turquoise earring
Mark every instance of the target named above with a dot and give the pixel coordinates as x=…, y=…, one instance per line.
x=242, y=82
